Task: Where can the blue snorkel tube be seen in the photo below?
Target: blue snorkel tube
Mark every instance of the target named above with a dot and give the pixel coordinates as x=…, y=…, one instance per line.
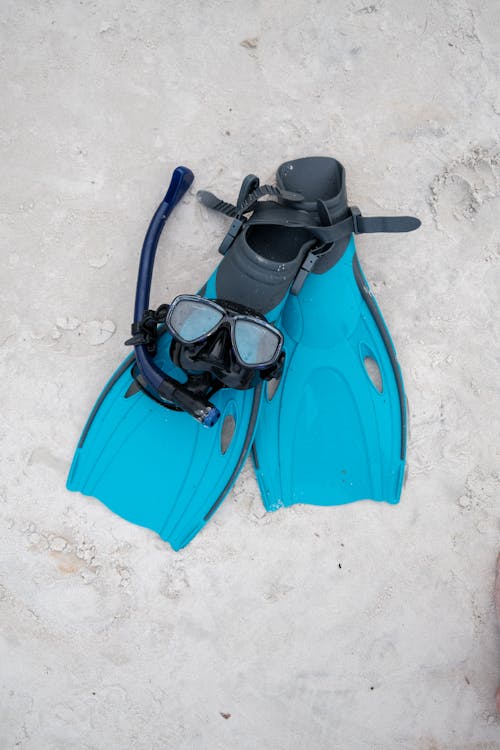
x=166, y=387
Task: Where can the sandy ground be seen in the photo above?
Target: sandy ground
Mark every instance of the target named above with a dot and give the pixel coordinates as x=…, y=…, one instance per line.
x=361, y=627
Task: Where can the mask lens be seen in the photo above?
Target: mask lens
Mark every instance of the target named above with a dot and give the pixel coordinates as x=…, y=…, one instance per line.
x=193, y=319
x=256, y=344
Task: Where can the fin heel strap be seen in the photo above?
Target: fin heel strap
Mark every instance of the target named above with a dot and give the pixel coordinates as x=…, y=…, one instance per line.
x=268, y=190
x=228, y=209
x=356, y=223
x=245, y=205
x=216, y=204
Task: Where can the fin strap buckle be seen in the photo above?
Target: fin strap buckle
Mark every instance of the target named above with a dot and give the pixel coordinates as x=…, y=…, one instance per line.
x=356, y=219
x=307, y=266
x=231, y=235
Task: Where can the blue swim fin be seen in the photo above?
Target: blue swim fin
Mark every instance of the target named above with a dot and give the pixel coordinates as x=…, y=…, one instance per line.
x=334, y=430
x=157, y=466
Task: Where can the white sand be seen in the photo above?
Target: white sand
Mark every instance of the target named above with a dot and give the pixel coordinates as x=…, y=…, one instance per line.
x=108, y=638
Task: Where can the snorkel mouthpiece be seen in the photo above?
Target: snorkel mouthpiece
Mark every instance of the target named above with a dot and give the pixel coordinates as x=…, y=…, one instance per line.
x=212, y=417
x=199, y=408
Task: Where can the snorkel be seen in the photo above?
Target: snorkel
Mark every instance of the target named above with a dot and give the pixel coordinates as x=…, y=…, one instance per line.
x=165, y=386
x=217, y=343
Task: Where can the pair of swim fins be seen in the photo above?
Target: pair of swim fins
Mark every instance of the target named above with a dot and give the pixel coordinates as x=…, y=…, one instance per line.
x=328, y=427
